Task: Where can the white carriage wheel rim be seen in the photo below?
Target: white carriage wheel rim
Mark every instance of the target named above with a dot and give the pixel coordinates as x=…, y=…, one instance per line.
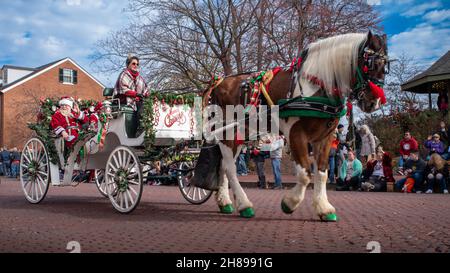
x=124, y=200
x=192, y=193
x=101, y=185
x=34, y=189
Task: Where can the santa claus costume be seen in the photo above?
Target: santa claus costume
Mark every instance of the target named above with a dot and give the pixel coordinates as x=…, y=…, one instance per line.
x=67, y=120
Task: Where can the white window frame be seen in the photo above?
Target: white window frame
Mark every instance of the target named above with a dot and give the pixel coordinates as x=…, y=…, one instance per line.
x=67, y=76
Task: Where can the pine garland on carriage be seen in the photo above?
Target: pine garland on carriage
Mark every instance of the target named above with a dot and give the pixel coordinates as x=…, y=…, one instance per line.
x=114, y=133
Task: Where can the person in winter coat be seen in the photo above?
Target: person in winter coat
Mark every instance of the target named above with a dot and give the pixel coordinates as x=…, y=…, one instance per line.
x=350, y=173
x=434, y=145
x=436, y=171
x=442, y=102
x=368, y=144
x=378, y=173
x=414, y=168
x=66, y=121
x=130, y=87
x=407, y=144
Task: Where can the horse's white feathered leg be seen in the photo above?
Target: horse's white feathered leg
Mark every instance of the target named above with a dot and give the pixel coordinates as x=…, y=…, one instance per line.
x=223, y=195
x=320, y=199
x=295, y=196
x=229, y=166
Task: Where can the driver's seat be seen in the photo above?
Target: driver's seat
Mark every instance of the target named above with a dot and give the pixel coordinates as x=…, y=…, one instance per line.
x=131, y=116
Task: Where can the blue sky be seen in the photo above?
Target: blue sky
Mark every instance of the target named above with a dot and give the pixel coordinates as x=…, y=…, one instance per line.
x=34, y=33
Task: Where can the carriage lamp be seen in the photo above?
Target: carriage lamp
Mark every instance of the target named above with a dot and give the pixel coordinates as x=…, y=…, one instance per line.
x=107, y=109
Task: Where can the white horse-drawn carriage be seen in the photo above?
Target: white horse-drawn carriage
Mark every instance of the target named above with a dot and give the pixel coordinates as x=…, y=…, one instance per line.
x=120, y=164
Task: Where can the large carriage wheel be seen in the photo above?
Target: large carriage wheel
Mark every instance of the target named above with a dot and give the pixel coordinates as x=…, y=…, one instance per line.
x=99, y=178
x=34, y=170
x=191, y=193
x=123, y=177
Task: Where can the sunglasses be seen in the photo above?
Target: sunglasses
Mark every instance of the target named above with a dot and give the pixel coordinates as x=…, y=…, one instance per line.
x=135, y=64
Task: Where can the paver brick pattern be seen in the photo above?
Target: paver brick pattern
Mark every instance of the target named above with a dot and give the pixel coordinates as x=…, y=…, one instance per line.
x=165, y=222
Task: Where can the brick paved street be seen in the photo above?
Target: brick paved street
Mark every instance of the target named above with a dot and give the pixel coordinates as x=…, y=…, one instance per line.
x=165, y=222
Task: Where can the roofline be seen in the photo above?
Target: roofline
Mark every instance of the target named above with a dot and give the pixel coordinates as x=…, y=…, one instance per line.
x=423, y=80
x=87, y=73
x=25, y=79
x=18, y=67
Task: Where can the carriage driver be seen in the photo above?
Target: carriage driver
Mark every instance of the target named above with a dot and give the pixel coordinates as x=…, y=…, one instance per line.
x=130, y=87
x=67, y=119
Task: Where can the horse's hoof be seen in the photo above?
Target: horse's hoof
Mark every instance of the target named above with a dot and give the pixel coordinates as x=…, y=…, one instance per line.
x=247, y=213
x=227, y=209
x=285, y=208
x=330, y=217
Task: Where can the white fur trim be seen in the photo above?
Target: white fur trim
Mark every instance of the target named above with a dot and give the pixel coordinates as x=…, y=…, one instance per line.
x=59, y=130
x=66, y=102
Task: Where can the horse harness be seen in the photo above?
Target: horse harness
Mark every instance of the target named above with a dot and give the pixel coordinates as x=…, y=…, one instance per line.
x=257, y=84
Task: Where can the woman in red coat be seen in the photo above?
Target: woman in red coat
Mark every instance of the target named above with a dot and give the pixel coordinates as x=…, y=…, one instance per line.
x=378, y=172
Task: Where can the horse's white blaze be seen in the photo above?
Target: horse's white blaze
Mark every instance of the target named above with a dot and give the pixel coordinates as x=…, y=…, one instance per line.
x=320, y=199
x=296, y=195
x=229, y=168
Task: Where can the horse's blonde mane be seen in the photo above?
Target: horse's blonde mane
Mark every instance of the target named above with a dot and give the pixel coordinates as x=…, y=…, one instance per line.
x=333, y=61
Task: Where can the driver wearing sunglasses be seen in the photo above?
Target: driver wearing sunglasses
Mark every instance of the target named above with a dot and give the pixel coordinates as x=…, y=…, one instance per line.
x=130, y=87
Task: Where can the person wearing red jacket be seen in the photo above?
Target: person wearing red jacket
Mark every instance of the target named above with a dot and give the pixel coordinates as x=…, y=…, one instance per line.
x=66, y=121
x=378, y=172
x=407, y=144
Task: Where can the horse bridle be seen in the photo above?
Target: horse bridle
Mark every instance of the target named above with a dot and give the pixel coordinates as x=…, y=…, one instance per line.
x=369, y=57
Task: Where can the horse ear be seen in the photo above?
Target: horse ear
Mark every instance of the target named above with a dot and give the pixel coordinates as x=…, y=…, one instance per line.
x=369, y=35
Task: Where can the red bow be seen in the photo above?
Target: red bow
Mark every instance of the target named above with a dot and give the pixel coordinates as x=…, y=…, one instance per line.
x=377, y=92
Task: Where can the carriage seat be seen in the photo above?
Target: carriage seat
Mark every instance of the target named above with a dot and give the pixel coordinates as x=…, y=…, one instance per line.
x=131, y=118
x=131, y=121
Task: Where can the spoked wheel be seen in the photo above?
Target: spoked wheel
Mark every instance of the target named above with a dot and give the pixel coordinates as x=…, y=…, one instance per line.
x=123, y=179
x=34, y=170
x=99, y=178
x=191, y=193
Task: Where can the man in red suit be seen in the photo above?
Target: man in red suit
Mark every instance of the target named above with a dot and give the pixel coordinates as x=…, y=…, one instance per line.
x=66, y=121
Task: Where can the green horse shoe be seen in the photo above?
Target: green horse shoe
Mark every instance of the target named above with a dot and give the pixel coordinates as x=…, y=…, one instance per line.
x=247, y=213
x=285, y=208
x=331, y=217
x=227, y=209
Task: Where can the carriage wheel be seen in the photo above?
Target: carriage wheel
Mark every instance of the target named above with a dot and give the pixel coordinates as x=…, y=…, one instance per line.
x=123, y=179
x=34, y=171
x=99, y=178
x=191, y=193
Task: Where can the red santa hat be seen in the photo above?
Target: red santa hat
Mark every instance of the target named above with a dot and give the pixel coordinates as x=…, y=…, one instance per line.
x=66, y=101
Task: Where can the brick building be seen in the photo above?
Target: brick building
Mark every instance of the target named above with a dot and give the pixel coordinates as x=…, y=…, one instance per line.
x=21, y=88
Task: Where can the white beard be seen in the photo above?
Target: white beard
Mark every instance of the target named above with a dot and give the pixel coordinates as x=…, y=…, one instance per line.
x=66, y=113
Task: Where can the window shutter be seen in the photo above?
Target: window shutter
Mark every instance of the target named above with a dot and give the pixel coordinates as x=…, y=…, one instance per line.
x=75, y=76
x=61, y=75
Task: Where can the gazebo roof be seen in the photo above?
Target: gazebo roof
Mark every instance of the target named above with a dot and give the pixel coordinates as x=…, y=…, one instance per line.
x=438, y=72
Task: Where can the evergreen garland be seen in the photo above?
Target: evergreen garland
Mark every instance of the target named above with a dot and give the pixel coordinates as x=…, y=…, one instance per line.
x=48, y=107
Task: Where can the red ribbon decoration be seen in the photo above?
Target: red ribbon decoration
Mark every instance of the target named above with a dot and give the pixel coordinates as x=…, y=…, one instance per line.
x=377, y=92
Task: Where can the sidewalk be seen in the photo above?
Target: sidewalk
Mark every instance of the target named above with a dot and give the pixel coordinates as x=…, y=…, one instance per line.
x=288, y=181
